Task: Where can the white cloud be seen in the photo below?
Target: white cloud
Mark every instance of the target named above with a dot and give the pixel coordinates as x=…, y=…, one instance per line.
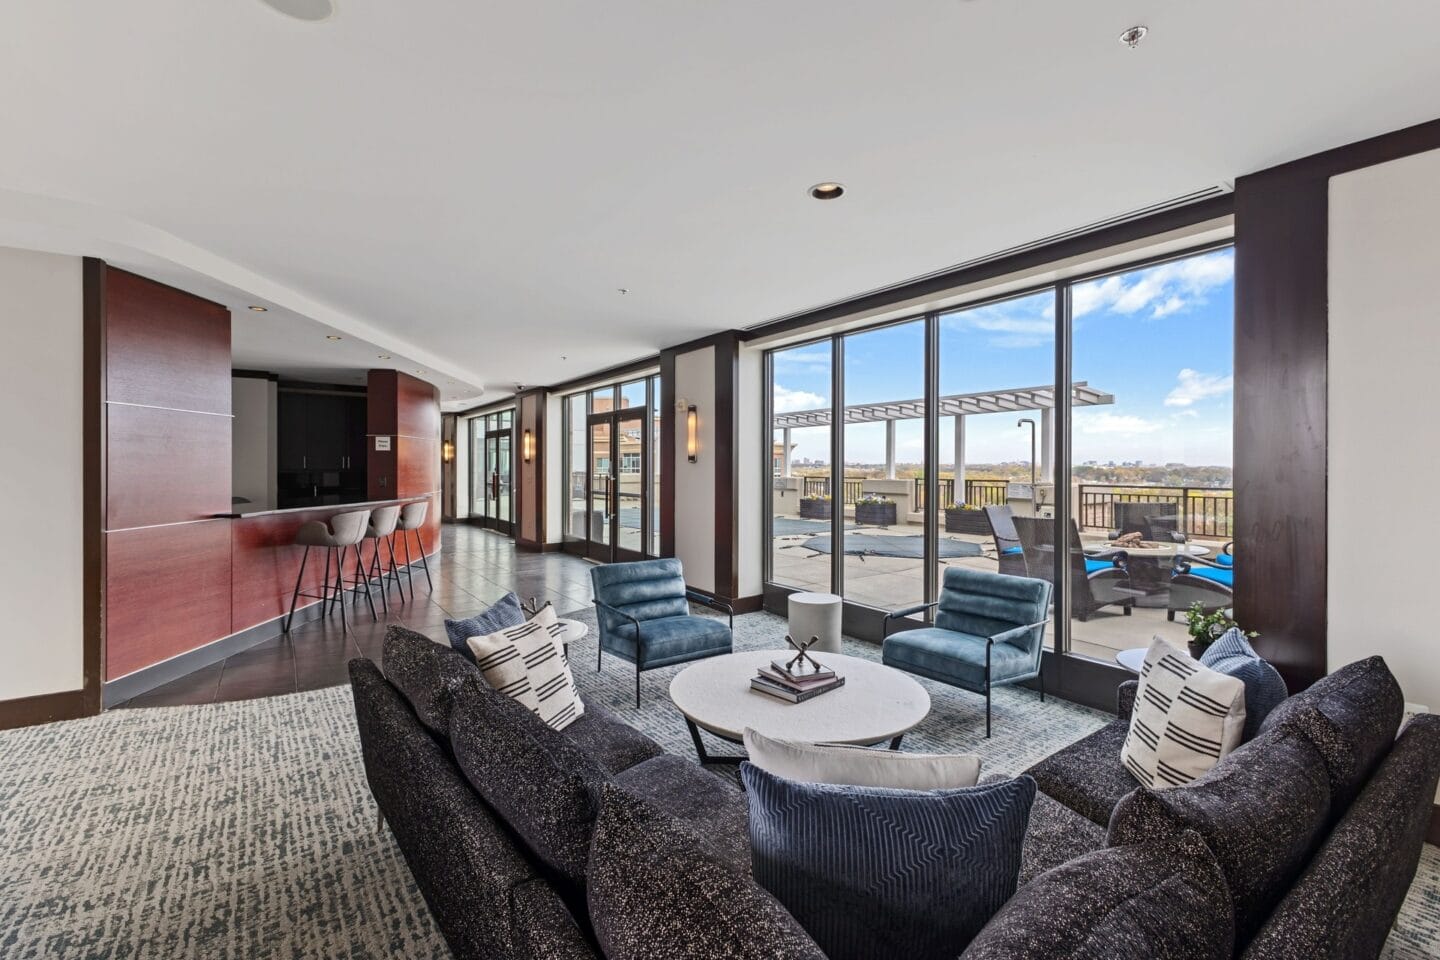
x=1163, y=290
x=1193, y=385
x=1016, y=324
x=1088, y=422
x=808, y=360
x=789, y=401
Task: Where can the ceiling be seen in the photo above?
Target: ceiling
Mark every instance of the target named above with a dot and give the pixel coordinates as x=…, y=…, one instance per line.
x=465, y=185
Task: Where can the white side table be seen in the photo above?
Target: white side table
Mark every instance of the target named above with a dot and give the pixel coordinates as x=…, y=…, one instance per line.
x=816, y=615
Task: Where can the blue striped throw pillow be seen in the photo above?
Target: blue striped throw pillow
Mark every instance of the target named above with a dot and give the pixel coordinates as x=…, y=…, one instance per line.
x=873, y=872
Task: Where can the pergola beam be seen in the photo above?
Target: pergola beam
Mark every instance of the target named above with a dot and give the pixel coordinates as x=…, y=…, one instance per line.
x=1017, y=400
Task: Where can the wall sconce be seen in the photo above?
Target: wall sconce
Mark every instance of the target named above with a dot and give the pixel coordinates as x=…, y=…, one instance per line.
x=527, y=445
x=447, y=451
x=692, y=432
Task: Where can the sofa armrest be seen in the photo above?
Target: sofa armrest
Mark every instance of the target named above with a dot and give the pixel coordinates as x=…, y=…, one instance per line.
x=1125, y=699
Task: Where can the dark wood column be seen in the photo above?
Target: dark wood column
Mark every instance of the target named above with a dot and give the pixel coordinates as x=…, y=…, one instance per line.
x=403, y=415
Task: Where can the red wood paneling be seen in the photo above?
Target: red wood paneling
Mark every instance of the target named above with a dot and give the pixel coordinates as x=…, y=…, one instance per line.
x=167, y=591
x=165, y=347
x=166, y=466
x=417, y=467
x=417, y=408
x=381, y=408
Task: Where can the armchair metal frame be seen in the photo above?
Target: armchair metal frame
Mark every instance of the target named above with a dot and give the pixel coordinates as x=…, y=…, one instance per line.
x=1001, y=637
x=690, y=595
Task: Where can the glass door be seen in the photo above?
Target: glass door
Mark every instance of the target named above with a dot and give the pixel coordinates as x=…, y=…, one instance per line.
x=497, y=501
x=628, y=481
x=600, y=516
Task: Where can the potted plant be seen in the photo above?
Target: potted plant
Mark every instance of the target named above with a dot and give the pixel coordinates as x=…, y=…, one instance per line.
x=873, y=510
x=966, y=518
x=1205, y=628
x=817, y=507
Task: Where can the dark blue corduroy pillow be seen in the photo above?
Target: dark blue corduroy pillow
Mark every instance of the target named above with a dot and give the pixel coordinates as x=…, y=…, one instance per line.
x=505, y=613
x=1265, y=690
x=870, y=872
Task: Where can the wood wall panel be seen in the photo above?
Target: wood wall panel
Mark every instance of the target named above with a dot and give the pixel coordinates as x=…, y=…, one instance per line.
x=166, y=466
x=417, y=407
x=381, y=408
x=165, y=347
x=167, y=591
x=417, y=467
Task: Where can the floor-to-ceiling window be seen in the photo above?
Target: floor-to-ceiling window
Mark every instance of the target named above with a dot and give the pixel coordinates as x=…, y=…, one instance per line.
x=1133, y=527
x=800, y=496
x=612, y=470
x=491, y=465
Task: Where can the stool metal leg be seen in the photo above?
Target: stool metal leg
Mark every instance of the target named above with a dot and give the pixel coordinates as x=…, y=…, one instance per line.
x=409, y=564
x=377, y=573
x=395, y=566
x=325, y=584
x=299, y=579
x=340, y=590
x=363, y=578
x=424, y=561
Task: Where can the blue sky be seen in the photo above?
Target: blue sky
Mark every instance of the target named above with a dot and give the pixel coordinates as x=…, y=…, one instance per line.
x=1161, y=340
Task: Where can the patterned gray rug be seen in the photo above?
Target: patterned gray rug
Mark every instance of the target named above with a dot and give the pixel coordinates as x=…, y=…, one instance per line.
x=246, y=830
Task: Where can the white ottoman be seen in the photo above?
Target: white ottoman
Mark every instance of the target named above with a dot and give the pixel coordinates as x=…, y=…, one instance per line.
x=816, y=615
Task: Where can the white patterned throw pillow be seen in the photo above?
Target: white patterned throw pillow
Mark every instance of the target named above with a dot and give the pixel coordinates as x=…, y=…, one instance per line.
x=528, y=664
x=1186, y=718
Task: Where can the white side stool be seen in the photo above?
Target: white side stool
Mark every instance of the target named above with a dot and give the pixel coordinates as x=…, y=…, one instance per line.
x=816, y=615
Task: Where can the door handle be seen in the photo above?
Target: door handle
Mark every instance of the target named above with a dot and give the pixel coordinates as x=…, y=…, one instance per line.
x=304, y=462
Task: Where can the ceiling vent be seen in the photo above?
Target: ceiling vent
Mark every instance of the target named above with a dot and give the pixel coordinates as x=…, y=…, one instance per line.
x=1219, y=189
x=311, y=11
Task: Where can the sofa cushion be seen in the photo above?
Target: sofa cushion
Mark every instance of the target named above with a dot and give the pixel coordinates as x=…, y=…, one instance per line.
x=540, y=782
x=1261, y=810
x=860, y=766
x=670, y=640
x=655, y=892
x=505, y=612
x=1360, y=707
x=872, y=872
x=1164, y=899
x=1265, y=690
x=1348, y=897
x=1087, y=776
x=713, y=808
x=612, y=743
x=427, y=674
x=1186, y=718
x=954, y=658
x=529, y=665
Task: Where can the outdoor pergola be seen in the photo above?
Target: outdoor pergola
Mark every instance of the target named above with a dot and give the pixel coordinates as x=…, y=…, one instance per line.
x=957, y=405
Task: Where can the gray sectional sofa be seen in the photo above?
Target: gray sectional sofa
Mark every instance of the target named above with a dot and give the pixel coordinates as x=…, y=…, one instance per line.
x=1300, y=844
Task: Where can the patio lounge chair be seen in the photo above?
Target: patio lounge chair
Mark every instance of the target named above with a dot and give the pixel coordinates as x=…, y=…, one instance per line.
x=1007, y=542
x=1095, y=581
x=1210, y=583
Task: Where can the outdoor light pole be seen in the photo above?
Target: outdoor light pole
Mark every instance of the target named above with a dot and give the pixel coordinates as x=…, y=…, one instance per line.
x=1032, y=451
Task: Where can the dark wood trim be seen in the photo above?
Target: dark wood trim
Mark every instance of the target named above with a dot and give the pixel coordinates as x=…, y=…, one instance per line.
x=667, y=453
x=534, y=546
x=45, y=708
x=308, y=386
x=1432, y=834
x=254, y=375
x=1394, y=145
x=94, y=429
x=727, y=388
x=1128, y=232
x=618, y=372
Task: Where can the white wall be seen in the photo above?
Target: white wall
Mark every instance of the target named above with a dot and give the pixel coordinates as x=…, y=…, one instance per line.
x=695, y=482
x=41, y=387
x=1384, y=453
x=254, y=404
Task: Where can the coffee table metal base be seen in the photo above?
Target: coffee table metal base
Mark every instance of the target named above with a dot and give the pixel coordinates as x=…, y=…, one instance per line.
x=706, y=757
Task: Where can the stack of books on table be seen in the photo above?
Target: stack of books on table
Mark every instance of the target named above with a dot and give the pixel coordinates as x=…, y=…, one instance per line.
x=796, y=684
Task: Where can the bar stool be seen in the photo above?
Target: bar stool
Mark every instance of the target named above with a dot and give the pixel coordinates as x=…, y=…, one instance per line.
x=412, y=517
x=383, y=522
x=345, y=530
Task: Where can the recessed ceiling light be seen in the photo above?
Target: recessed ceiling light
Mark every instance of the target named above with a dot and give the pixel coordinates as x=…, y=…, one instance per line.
x=333, y=337
x=311, y=11
x=623, y=290
x=1132, y=37
x=259, y=309
x=829, y=190
x=382, y=357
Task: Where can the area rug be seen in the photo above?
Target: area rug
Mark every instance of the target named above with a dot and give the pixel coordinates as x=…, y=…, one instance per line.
x=246, y=830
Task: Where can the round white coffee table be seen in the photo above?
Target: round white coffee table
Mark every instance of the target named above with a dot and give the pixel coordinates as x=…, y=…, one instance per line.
x=876, y=704
x=816, y=615
x=574, y=630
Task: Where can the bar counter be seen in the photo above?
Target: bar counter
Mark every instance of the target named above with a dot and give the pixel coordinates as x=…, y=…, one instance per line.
x=333, y=508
